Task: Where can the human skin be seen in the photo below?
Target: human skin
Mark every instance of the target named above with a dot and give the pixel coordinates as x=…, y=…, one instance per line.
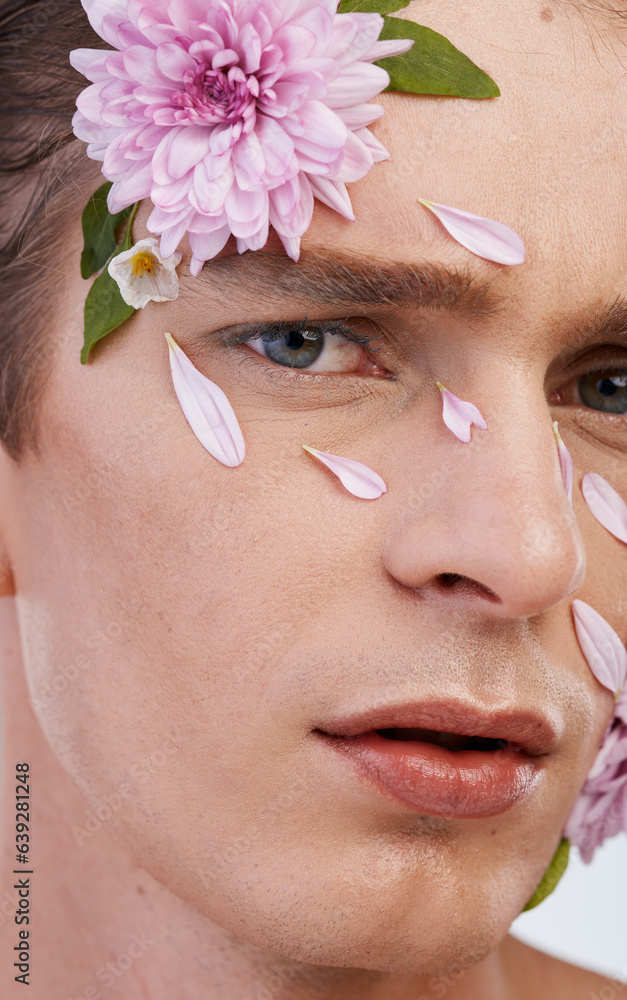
x=224, y=615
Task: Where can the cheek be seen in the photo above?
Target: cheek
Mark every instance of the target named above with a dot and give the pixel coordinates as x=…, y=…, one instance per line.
x=149, y=574
x=158, y=591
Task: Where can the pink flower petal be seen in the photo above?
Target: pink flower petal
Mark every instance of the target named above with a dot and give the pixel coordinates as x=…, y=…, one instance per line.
x=566, y=463
x=333, y=194
x=376, y=149
x=323, y=128
x=92, y=63
x=249, y=45
x=140, y=62
x=172, y=236
x=355, y=85
x=255, y=241
x=357, y=160
x=205, y=246
x=292, y=222
x=393, y=47
x=100, y=135
x=291, y=245
x=606, y=504
x=358, y=479
x=100, y=12
x=489, y=239
x=277, y=146
x=208, y=197
x=360, y=115
x=134, y=187
x=353, y=39
x=601, y=646
x=206, y=408
x=248, y=155
x=174, y=62
x=459, y=415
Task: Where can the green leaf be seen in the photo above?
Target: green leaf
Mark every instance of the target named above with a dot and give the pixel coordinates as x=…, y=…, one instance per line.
x=99, y=231
x=552, y=875
x=371, y=6
x=433, y=65
x=105, y=309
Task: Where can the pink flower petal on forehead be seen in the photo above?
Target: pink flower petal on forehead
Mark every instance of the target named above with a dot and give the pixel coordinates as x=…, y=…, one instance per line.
x=601, y=646
x=484, y=237
x=206, y=408
x=566, y=463
x=606, y=504
x=357, y=478
x=458, y=415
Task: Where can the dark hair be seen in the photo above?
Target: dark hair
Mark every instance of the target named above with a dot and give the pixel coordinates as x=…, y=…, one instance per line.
x=40, y=163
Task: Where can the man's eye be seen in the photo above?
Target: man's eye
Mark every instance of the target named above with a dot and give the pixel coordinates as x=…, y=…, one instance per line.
x=315, y=350
x=605, y=391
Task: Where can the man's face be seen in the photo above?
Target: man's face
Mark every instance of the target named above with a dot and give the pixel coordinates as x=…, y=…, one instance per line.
x=212, y=623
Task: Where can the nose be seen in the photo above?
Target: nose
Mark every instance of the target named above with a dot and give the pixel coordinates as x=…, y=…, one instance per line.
x=487, y=522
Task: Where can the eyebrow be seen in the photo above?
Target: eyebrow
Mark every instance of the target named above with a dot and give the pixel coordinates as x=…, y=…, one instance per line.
x=330, y=277
x=601, y=322
x=604, y=322
x=327, y=277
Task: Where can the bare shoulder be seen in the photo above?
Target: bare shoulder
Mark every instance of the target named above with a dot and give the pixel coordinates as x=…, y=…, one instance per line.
x=542, y=977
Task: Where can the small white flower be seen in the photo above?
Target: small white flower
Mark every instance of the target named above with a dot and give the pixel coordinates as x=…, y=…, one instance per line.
x=143, y=275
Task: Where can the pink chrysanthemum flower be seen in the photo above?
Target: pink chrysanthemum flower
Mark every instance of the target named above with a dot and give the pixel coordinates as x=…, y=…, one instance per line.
x=601, y=809
x=231, y=115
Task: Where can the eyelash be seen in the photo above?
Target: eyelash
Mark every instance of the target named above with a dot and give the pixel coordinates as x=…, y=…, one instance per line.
x=269, y=332
x=274, y=331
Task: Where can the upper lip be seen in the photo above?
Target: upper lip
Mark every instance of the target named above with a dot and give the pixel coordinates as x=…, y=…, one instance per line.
x=529, y=730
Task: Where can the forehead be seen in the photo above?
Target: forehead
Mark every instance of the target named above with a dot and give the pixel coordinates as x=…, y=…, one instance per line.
x=547, y=157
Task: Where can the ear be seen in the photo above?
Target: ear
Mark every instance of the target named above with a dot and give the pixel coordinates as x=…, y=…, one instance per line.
x=7, y=583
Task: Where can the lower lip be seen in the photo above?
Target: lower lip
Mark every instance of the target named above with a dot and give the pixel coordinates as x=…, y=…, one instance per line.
x=431, y=779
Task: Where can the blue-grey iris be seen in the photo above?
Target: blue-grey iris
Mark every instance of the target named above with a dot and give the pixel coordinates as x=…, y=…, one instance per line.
x=296, y=348
x=608, y=393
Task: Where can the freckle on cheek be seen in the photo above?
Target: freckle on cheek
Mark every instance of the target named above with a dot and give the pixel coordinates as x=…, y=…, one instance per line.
x=546, y=14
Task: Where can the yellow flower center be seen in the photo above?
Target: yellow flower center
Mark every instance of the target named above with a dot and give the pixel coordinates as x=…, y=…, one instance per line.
x=143, y=263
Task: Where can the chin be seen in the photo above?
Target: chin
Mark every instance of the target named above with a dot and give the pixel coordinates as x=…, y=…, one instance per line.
x=416, y=926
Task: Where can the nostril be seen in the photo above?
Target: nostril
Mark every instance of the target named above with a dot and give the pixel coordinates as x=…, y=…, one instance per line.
x=464, y=584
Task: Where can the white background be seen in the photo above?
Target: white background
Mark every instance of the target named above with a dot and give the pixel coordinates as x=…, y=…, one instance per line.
x=584, y=921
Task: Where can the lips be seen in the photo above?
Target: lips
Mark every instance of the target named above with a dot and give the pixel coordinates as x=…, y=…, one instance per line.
x=445, y=758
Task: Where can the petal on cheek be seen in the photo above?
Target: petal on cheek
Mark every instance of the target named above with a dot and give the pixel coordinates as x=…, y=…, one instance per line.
x=206, y=408
x=601, y=646
x=606, y=504
x=566, y=463
x=357, y=478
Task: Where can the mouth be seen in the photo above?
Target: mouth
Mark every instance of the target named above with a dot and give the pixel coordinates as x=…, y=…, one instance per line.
x=455, y=742
x=446, y=759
